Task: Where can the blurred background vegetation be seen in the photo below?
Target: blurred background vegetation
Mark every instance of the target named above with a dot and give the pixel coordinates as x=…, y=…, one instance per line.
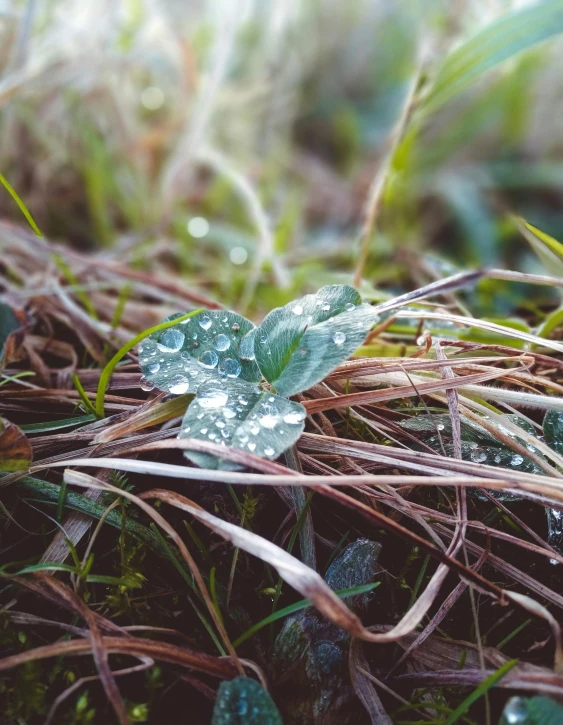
x=234, y=142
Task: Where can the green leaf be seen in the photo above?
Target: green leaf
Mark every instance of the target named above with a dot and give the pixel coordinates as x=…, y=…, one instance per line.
x=355, y=566
x=553, y=430
x=548, y=249
x=243, y=701
x=310, y=656
x=297, y=345
x=537, y=710
x=241, y=415
x=9, y=324
x=496, y=42
x=205, y=347
x=477, y=443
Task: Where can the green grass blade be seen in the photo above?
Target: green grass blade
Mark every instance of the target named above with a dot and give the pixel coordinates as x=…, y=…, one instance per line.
x=73, y=279
x=44, y=566
x=83, y=397
x=496, y=42
x=56, y=424
x=303, y=604
x=186, y=576
x=484, y=687
x=24, y=210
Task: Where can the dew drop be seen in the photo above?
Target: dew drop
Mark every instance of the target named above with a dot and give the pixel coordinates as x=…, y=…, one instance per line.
x=269, y=451
x=516, y=711
x=212, y=398
x=294, y=418
x=229, y=413
x=179, y=385
x=209, y=359
x=246, y=348
x=204, y=431
x=171, y=341
x=242, y=707
x=349, y=306
x=264, y=339
x=242, y=400
x=222, y=343
x=498, y=458
x=440, y=426
x=268, y=421
x=297, y=310
x=205, y=322
x=212, y=436
x=146, y=384
x=153, y=367
x=516, y=460
x=338, y=338
x=230, y=367
x=478, y=456
x=199, y=416
x=225, y=433
x=220, y=423
x=252, y=446
x=326, y=308
x=243, y=438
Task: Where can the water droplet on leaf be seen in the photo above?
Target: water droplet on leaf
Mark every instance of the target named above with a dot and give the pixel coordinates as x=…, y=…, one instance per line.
x=338, y=338
x=205, y=322
x=179, y=385
x=478, y=456
x=268, y=421
x=516, y=711
x=246, y=348
x=209, y=359
x=146, y=384
x=230, y=367
x=171, y=341
x=222, y=343
x=212, y=398
x=294, y=418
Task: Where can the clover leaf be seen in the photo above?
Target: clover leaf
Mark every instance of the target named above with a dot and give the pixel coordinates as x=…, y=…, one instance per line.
x=241, y=415
x=201, y=348
x=220, y=357
x=297, y=345
x=243, y=701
